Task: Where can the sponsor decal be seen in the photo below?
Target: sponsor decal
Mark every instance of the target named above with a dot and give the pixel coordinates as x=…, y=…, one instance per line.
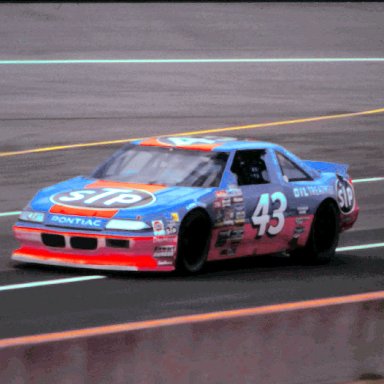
x=237, y=199
x=316, y=190
x=164, y=251
x=233, y=190
x=345, y=195
x=165, y=239
x=226, y=202
x=222, y=238
x=229, y=251
x=158, y=228
x=236, y=235
x=175, y=216
x=239, y=216
x=225, y=217
x=104, y=198
x=229, y=215
x=302, y=210
x=171, y=228
x=229, y=207
x=164, y=262
x=298, y=231
x=301, y=220
x=75, y=222
x=221, y=194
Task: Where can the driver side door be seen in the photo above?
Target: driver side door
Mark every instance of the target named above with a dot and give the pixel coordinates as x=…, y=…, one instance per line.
x=266, y=229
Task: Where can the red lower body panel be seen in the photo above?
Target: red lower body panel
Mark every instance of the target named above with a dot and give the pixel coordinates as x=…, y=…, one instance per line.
x=243, y=240
x=153, y=253
x=347, y=221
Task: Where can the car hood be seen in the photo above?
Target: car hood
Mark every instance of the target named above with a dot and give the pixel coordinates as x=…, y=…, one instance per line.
x=82, y=196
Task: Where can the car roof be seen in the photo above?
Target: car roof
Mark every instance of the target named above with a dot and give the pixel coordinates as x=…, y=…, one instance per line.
x=205, y=143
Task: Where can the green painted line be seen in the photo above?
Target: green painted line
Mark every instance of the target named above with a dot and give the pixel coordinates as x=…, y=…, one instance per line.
x=359, y=247
x=34, y=284
x=196, y=61
x=368, y=180
x=14, y=213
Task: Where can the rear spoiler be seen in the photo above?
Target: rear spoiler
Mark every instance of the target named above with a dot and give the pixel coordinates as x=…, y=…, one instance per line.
x=322, y=166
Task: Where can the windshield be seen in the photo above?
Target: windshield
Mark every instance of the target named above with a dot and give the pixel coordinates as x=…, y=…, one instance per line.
x=167, y=166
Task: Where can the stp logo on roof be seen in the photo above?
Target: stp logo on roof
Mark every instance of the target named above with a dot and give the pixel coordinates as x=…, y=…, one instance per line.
x=203, y=143
x=185, y=141
x=192, y=141
x=104, y=198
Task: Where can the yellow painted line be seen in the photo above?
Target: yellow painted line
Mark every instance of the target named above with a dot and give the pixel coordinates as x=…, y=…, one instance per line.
x=191, y=319
x=69, y=146
x=200, y=132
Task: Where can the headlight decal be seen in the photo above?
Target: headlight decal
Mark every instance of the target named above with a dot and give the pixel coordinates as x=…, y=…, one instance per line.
x=36, y=217
x=127, y=225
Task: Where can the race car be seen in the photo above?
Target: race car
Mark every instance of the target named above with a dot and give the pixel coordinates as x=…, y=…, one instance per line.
x=167, y=203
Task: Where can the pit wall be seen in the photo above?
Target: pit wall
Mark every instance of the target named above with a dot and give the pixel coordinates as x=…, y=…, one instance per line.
x=322, y=341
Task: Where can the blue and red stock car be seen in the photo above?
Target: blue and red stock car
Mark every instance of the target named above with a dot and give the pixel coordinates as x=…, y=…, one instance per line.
x=170, y=203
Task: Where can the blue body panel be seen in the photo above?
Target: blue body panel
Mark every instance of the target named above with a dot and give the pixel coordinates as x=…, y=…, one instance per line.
x=182, y=199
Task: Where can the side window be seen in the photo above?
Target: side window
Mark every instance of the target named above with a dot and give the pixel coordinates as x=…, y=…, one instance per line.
x=250, y=167
x=290, y=170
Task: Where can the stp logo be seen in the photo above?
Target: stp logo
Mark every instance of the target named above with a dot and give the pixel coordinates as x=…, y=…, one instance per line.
x=104, y=198
x=185, y=141
x=345, y=195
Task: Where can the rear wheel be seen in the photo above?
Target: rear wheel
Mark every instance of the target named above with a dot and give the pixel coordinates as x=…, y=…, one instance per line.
x=323, y=238
x=193, y=245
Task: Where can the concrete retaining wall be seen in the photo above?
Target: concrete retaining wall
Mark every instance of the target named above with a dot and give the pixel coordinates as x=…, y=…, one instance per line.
x=293, y=344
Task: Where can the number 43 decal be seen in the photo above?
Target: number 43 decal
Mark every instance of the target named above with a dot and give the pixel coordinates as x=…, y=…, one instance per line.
x=261, y=217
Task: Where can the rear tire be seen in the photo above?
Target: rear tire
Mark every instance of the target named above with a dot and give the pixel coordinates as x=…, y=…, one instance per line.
x=193, y=243
x=323, y=238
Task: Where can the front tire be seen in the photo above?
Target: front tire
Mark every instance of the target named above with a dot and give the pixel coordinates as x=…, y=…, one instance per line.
x=323, y=238
x=193, y=244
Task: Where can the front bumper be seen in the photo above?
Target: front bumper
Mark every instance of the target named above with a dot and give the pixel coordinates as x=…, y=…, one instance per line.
x=94, y=250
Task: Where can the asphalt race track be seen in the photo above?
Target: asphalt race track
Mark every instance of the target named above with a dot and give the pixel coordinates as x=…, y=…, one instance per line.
x=48, y=105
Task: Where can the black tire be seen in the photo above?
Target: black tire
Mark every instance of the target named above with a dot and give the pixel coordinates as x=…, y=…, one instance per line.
x=323, y=238
x=193, y=243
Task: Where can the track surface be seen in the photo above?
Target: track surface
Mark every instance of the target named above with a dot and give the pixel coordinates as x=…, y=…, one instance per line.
x=61, y=104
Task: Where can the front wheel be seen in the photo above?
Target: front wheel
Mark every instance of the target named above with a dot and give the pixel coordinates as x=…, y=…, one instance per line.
x=193, y=245
x=323, y=238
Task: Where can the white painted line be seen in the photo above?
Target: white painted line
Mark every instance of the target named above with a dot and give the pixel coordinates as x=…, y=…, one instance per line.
x=368, y=180
x=14, y=213
x=197, y=60
x=50, y=282
x=35, y=284
x=359, y=247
